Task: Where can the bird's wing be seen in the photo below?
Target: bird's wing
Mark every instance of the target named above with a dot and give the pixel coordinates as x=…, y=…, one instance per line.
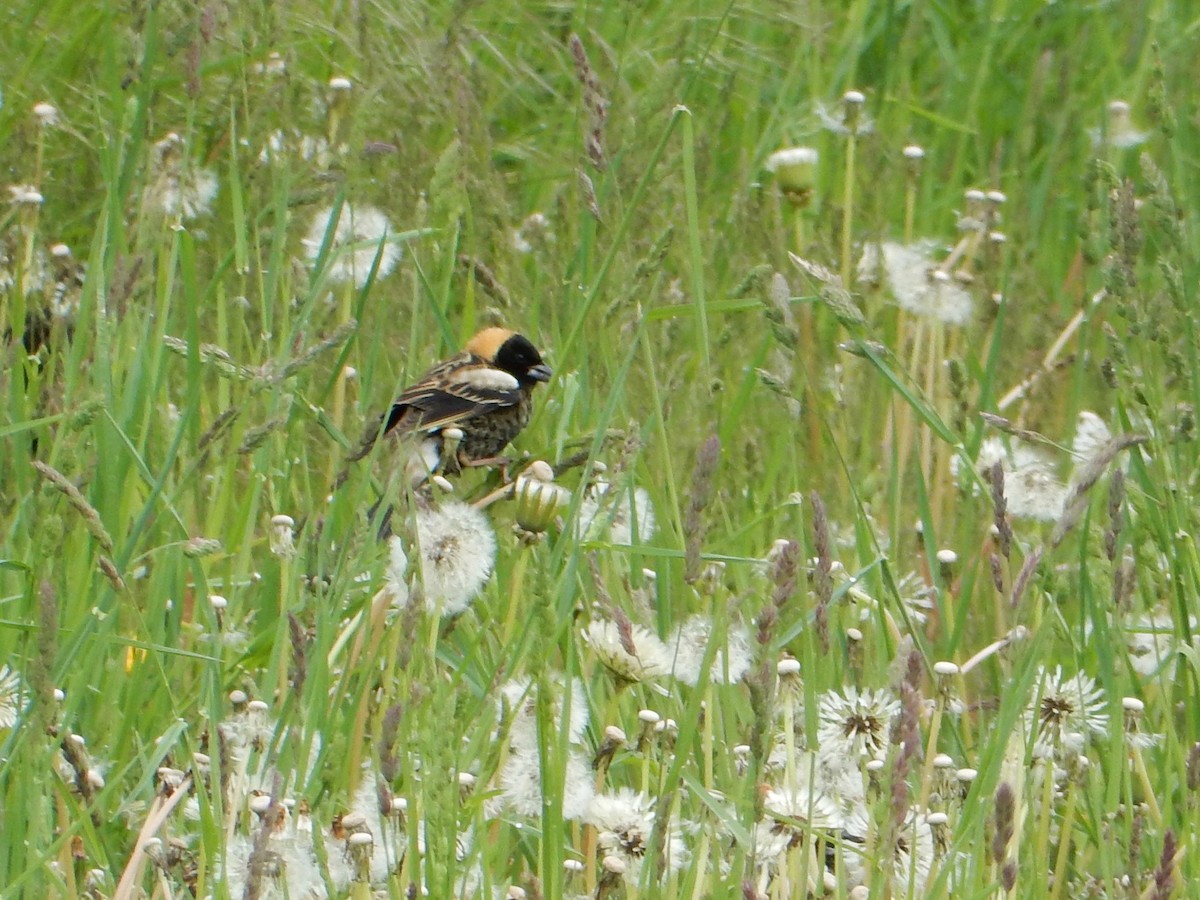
x=451, y=392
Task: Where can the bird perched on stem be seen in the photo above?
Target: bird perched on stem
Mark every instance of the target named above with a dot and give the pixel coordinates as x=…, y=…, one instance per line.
x=466, y=410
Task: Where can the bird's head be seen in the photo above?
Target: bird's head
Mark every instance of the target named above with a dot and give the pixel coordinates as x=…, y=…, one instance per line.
x=510, y=352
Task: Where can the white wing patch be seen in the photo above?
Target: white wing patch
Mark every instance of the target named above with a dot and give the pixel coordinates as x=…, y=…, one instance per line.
x=488, y=379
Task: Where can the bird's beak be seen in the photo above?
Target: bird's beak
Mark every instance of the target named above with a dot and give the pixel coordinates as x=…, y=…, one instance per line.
x=540, y=373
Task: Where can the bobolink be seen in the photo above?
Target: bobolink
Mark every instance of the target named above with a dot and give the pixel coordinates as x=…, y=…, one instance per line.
x=466, y=410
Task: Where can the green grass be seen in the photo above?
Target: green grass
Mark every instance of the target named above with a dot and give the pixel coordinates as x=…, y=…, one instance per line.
x=198, y=388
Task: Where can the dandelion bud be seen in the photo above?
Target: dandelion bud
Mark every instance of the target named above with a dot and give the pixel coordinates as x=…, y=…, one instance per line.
x=541, y=470
x=538, y=502
x=996, y=197
x=613, y=864
x=788, y=667
x=945, y=668
x=946, y=560
x=340, y=84
x=852, y=104
x=238, y=699
x=648, y=717
x=283, y=538
x=46, y=114
x=573, y=866
x=795, y=171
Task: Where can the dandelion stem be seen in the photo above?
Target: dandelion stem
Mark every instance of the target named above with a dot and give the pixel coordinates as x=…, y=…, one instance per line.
x=848, y=210
x=930, y=753
x=1043, y=833
x=1148, y=794
x=1064, y=842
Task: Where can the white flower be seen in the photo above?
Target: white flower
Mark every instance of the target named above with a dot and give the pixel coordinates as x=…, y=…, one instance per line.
x=638, y=655
x=11, y=703
x=854, y=724
x=457, y=550
x=1066, y=714
x=618, y=515
x=623, y=821
x=917, y=284
x=689, y=643
x=359, y=235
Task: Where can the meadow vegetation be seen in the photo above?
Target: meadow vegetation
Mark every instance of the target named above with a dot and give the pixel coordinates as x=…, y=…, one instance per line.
x=850, y=549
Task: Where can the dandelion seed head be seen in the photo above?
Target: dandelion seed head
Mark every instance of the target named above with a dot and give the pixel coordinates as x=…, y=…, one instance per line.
x=916, y=284
x=855, y=724
x=689, y=644
x=847, y=118
x=612, y=514
x=519, y=696
x=1092, y=435
x=361, y=233
x=1031, y=488
x=457, y=551
x=24, y=195
x=46, y=114
x=1152, y=643
x=913, y=848
x=650, y=659
x=12, y=703
x=1120, y=133
x=520, y=783
x=1067, y=715
x=623, y=821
